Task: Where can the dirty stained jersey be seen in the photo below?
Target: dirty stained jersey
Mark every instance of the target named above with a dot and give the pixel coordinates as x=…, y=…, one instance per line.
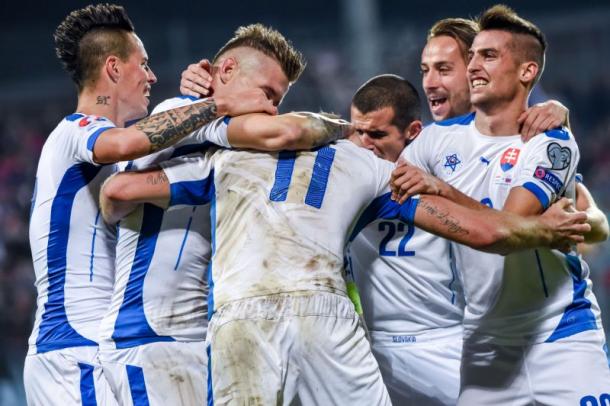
x=280, y=223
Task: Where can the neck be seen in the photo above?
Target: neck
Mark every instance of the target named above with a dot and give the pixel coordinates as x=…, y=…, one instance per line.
x=500, y=119
x=100, y=102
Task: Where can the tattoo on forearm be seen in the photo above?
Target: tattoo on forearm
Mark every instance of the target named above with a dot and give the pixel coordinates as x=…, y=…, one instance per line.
x=452, y=224
x=157, y=179
x=167, y=128
x=102, y=100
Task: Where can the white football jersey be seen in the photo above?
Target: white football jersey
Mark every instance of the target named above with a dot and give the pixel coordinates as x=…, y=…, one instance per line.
x=281, y=221
x=406, y=278
x=536, y=295
x=160, y=293
x=72, y=247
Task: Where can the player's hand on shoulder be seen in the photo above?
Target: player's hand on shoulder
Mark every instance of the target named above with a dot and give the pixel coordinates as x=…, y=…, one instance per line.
x=408, y=180
x=196, y=79
x=542, y=117
x=567, y=225
x=244, y=102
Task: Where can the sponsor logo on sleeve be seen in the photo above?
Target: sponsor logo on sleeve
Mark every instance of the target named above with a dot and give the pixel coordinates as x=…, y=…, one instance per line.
x=548, y=177
x=559, y=156
x=509, y=159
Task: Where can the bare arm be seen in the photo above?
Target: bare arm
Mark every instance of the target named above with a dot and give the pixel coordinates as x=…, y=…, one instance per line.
x=161, y=130
x=123, y=192
x=499, y=232
x=542, y=117
x=596, y=218
x=408, y=180
x=292, y=131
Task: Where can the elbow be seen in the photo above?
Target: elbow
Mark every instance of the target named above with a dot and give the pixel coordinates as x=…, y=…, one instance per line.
x=117, y=188
x=493, y=240
x=288, y=137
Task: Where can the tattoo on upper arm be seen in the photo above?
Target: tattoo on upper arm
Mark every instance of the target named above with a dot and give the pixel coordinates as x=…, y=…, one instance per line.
x=167, y=128
x=102, y=100
x=157, y=179
x=452, y=224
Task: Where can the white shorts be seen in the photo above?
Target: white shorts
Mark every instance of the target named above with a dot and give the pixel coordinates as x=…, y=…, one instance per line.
x=571, y=371
x=66, y=377
x=269, y=350
x=158, y=374
x=421, y=369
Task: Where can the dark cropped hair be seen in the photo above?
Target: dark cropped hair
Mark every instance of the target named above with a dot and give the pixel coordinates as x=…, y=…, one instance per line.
x=529, y=43
x=86, y=37
x=389, y=91
x=270, y=42
x=460, y=29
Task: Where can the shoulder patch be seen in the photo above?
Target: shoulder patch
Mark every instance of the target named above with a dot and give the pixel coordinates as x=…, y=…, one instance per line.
x=559, y=156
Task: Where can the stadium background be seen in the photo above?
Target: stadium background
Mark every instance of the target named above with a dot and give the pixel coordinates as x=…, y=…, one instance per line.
x=344, y=41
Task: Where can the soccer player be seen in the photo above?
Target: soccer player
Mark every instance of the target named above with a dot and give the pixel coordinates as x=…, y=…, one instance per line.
x=72, y=248
x=531, y=322
x=281, y=322
x=152, y=340
x=444, y=80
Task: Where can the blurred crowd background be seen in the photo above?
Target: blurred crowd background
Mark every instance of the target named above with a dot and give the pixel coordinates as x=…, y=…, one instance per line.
x=344, y=41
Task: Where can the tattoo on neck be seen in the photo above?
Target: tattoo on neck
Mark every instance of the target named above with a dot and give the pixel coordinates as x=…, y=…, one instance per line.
x=452, y=224
x=157, y=179
x=167, y=128
x=102, y=100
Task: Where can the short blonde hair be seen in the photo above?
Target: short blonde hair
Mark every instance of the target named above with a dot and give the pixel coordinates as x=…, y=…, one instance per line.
x=460, y=29
x=270, y=42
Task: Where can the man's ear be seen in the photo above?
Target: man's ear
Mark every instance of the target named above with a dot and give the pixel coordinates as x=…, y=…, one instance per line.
x=528, y=72
x=112, y=68
x=228, y=68
x=413, y=130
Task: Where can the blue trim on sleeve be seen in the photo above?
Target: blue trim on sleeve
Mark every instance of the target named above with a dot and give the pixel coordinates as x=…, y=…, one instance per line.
x=538, y=192
x=137, y=385
x=131, y=327
x=192, y=193
x=55, y=331
x=579, y=178
x=227, y=120
x=460, y=120
x=283, y=175
x=74, y=116
x=93, y=137
x=383, y=207
x=558, y=133
x=578, y=316
x=87, y=386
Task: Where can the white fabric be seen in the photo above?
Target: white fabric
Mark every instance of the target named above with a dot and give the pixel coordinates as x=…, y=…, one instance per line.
x=174, y=373
x=56, y=378
x=269, y=350
x=420, y=369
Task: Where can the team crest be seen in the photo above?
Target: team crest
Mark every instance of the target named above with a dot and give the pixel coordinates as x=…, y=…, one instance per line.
x=509, y=159
x=452, y=161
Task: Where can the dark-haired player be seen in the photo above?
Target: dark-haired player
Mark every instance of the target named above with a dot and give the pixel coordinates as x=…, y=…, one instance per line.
x=72, y=248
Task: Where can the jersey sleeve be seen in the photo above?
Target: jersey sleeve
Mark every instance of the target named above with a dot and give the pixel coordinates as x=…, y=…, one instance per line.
x=191, y=179
x=214, y=132
x=549, y=165
x=89, y=128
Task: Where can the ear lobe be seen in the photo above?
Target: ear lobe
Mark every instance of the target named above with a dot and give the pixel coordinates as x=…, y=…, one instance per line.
x=112, y=68
x=227, y=69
